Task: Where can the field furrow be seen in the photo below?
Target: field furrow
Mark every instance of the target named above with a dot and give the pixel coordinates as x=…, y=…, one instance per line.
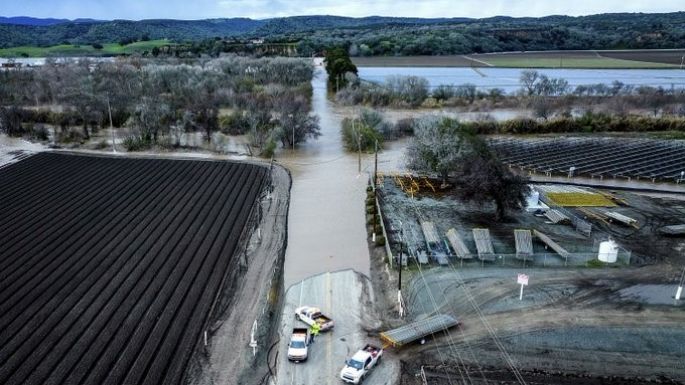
x=110, y=266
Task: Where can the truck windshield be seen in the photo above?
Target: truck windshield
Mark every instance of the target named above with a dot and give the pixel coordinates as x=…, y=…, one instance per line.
x=356, y=364
x=297, y=345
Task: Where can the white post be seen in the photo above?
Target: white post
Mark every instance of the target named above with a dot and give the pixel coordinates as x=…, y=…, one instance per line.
x=253, y=341
x=521, y=294
x=373, y=237
x=399, y=302
x=678, y=293
x=205, y=338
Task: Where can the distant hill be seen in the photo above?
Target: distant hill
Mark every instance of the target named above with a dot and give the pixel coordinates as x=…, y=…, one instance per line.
x=31, y=31
x=374, y=35
x=25, y=20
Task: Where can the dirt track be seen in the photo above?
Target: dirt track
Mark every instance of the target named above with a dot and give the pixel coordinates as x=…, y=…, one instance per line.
x=255, y=296
x=570, y=321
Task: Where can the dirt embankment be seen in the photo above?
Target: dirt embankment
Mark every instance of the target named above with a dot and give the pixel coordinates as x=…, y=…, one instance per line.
x=255, y=297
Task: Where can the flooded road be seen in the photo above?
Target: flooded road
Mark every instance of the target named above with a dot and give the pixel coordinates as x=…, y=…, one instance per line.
x=326, y=220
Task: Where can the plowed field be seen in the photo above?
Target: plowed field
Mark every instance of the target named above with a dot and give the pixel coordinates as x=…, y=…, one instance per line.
x=109, y=267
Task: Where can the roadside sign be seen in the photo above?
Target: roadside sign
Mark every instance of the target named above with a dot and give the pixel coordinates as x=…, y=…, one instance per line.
x=522, y=279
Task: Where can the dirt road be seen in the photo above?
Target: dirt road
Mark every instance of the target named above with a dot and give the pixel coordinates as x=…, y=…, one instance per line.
x=344, y=296
x=604, y=322
x=228, y=358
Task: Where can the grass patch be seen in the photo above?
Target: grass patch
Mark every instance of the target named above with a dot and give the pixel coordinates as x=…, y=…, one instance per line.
x=574, y=62
x=108, y=49
x=580, y=200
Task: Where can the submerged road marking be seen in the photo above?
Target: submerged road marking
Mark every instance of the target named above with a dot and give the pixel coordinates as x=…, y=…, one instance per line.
x=301, y=286
x=329, y=340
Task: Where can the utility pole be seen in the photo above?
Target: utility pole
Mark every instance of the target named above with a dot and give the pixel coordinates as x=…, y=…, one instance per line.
x=111, y=125
x=375, y=196
x=359, y=146
x=293, y=142
x=679, y=292
x=399, y=266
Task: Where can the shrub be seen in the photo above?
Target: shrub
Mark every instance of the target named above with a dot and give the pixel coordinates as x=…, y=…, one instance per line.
x=595, y=263
x=234, y=124
x=101, y=145
x=136, y=143
x=358, y=135
x=38, y=132
x=269, y=149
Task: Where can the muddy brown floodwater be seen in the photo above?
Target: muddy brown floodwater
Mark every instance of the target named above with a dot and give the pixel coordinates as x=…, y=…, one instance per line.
x=326, y=220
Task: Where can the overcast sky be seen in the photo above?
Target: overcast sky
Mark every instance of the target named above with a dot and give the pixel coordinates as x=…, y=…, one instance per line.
x=200, y=9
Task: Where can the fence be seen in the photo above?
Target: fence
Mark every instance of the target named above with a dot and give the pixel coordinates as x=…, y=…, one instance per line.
x=545, y=260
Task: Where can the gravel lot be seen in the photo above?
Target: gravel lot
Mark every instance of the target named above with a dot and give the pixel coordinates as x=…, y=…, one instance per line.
x=574, y=325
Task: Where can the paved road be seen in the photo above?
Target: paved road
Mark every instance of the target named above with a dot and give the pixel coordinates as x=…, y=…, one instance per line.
x=345, y=297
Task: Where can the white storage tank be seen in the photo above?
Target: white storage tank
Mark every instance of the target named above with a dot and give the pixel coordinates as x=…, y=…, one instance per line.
x=608, y=251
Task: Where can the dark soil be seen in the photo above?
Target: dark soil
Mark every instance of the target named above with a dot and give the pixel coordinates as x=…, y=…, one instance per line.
x=109, y=267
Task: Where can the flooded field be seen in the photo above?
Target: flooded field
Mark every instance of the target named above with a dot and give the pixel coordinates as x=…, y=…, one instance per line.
x=508, y=78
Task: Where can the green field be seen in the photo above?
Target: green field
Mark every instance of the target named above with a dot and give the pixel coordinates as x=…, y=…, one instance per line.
x=83, y=50
x=587, y=62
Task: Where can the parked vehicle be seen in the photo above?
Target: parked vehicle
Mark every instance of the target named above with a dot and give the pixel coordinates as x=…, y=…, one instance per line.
x=298, y=348
x=309, y=315
x=361, y=364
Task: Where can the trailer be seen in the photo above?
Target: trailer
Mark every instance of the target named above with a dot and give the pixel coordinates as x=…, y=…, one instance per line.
x=418, y=330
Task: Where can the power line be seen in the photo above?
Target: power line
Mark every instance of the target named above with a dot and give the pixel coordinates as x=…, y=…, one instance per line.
x=505, y=354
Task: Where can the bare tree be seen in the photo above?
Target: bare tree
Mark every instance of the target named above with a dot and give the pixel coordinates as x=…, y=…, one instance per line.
x=528, y=80
x=150, y=117
x=436, y=146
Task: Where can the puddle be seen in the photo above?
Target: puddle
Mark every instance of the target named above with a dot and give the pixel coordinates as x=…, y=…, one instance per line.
x=651, y=294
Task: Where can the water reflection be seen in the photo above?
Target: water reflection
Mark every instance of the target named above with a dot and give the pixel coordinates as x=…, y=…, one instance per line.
x=326, y=221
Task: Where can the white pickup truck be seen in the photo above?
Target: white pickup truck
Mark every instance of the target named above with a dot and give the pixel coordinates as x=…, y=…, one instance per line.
x=309, y=315
x=298, y=346
x=361, y=363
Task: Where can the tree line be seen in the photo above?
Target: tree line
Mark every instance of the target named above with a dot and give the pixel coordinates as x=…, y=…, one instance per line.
x=268, y=99
x=379, y=36
x=546, y=96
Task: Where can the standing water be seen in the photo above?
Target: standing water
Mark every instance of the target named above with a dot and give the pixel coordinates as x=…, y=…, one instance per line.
x=326, y=220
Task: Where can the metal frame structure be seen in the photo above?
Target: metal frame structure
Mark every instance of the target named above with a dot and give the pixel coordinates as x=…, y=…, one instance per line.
x=417, y=330
x=655, y=160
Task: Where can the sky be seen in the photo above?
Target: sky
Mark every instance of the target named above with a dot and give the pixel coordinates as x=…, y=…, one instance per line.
x=260, y=9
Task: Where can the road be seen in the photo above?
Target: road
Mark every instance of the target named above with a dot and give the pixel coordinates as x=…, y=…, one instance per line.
x=326, y=219
x=346, y=297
